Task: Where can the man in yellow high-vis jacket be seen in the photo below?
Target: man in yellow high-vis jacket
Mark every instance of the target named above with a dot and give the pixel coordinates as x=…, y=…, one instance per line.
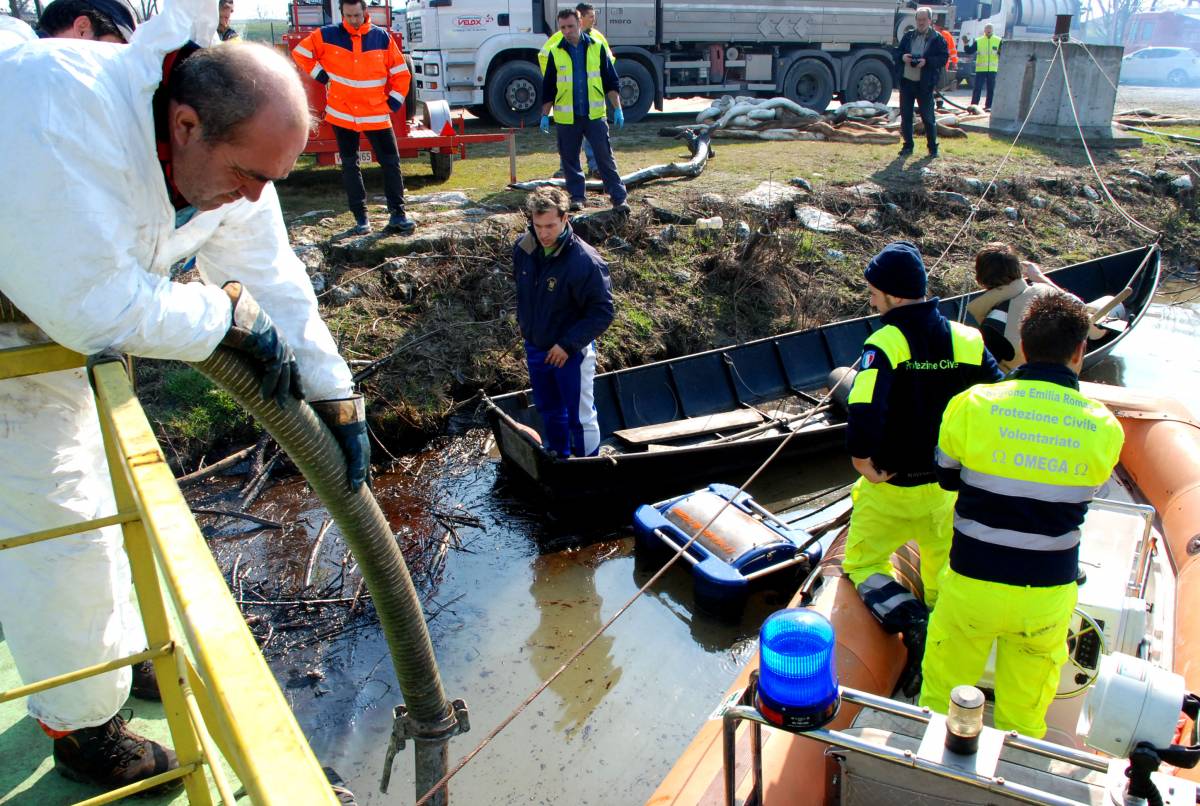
x=1026, y=457
x=987, y=61
x=579, y=75
x=587, y=21
x=909, y=370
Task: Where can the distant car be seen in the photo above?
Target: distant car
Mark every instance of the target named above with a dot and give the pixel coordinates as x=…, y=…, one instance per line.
x=1178, y=67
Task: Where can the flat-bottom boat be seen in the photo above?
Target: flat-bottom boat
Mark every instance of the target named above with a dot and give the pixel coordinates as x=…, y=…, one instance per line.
x=672, y=426
x=1139, y=548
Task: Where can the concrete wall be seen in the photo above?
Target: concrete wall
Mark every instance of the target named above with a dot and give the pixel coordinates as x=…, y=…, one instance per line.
x=1023, y=66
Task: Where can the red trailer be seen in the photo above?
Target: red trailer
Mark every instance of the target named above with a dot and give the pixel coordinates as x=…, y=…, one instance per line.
x=435, y=131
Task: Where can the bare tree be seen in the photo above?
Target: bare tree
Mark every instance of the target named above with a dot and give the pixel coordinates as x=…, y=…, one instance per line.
x=1112, y=18
x=23, y=10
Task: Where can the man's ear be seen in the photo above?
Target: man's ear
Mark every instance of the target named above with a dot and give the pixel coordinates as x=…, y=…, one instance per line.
x=81, y=28
x=184, y=124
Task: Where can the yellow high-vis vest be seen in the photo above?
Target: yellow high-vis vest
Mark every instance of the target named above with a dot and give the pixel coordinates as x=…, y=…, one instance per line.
x=987, y=54
x=564, y=98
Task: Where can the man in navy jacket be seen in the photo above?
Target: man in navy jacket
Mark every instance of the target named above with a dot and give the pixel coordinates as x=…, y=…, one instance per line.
x=920, y=59
x=564, y=302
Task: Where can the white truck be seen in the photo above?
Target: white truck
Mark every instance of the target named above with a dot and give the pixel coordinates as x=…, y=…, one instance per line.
x=1010, y=19
x=482, y=54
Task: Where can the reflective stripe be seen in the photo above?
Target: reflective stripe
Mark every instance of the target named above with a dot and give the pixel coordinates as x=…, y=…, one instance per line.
x=946, y=460
x=593, y=105
x=400, y=68
x=863, y=390
x=1016, y=540
x=564, y=79
x=316, y=71
x=350, y=82
x=890, y=339
x=303, y=51
x=333, y=113
x=593, y=74
x=563, y=108
x=1053, y=493
x=398, y=96
x=998, y=315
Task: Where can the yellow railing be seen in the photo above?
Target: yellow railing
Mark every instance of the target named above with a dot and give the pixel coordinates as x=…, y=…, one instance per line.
x=219, y=697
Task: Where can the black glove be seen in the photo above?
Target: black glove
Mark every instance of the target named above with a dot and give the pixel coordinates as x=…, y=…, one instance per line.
x=914, y=642
x=252, y=332
x=347, y=419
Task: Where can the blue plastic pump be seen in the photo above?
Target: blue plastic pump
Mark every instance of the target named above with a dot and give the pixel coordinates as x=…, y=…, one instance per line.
x=797, y=684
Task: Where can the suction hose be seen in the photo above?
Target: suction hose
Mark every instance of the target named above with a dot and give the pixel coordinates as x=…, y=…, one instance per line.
x=426, y=717
x=310, y=445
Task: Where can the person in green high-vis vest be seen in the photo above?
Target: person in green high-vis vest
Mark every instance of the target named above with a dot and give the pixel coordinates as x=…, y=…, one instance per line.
x=987, y=60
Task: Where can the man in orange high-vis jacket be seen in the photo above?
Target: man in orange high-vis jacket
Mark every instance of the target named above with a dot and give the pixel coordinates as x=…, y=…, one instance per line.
x=366, y=80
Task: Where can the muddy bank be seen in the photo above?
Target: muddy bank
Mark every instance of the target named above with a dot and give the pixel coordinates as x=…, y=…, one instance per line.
x=427, y=320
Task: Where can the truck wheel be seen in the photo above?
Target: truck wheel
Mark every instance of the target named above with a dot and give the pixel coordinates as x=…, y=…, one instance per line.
x=513, y=94
x=637, y=89
x=442, y=165
x=810, y=84
x=870, y=80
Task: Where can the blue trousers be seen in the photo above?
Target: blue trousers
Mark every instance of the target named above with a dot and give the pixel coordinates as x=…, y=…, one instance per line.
x=570, y=137
x=981, y=81
x=563, y=398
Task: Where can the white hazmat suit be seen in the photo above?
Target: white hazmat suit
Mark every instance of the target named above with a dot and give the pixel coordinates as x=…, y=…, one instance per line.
x=87, y=238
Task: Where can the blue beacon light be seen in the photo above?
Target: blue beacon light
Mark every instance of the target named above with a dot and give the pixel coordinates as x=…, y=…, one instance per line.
x=797, y=683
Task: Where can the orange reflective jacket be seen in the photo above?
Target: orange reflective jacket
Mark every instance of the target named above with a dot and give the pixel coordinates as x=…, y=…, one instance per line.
x=952, y=62
x=363, y=72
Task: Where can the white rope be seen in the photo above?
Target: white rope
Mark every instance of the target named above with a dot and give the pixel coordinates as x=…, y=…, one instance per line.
x=516, y=712
x=1145, y=121
x=991, y=184
x=1088, y=151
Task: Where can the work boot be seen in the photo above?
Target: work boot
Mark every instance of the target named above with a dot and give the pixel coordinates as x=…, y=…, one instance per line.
x=577, y=205
x=914, y=642
x=593, y=173
x=399, y=222
x=558, y=174
x=933, y=152
x=621, y=207
x=111, y=756
x=362, y=226
x=145, y=683
x=906, y=150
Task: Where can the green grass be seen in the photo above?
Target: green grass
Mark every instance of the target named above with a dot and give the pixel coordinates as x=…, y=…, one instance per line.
x=198, y=409
x=261, y=30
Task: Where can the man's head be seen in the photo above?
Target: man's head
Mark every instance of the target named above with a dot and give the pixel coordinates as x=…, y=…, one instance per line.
x=568, y=24
x=101, y=20
x=225, y=11
x=354, y=12
x=987, y=29
x=587, y=15
x=924, y=18
x=997, y=264
x=547, y=211
x=237, y=119
x=896, y=276
x=1054, y=331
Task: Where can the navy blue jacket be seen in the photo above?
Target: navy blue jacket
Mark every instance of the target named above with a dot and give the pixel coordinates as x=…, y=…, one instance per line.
x=563, y=298
x=608, y=73
x=936, y=55
x=898, y=429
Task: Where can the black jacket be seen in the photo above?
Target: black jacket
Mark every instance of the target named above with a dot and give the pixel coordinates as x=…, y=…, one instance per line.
x=936, y=55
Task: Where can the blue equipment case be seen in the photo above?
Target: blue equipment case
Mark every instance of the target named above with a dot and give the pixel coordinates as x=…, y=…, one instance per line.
x=744, y=544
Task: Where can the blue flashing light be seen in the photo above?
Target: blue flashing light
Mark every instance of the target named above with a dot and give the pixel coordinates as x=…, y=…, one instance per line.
x=797, y=683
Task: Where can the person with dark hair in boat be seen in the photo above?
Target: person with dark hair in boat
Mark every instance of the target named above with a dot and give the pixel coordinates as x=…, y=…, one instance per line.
x=564, y=303
x=909, y=370
x=1026, y=457
x=1012, y=284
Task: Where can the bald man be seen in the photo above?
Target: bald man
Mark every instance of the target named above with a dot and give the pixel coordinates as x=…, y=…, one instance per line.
x=153, y=173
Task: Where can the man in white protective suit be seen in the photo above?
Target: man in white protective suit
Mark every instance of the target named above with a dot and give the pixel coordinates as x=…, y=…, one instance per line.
x=129, y=159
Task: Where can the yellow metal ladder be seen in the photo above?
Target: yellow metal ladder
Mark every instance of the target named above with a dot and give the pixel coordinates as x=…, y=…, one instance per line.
x=219, y=697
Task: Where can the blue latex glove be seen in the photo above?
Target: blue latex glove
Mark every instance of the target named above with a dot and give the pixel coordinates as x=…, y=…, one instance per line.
x=545, y=124
x=347, y=419
x=252, y=332
x=618, y=118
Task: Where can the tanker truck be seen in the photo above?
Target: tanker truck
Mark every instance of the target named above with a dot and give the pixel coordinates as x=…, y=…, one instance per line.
x=482, y=54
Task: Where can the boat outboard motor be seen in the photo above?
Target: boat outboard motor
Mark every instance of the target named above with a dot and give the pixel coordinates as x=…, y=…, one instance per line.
x=841, y=392
x=1131, y=712
x=898, y=611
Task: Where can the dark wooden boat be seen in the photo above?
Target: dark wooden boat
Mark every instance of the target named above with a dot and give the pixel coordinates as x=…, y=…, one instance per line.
x=672, y=426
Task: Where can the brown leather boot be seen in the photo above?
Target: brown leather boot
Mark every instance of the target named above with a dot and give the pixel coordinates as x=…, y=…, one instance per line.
x=111, y=756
